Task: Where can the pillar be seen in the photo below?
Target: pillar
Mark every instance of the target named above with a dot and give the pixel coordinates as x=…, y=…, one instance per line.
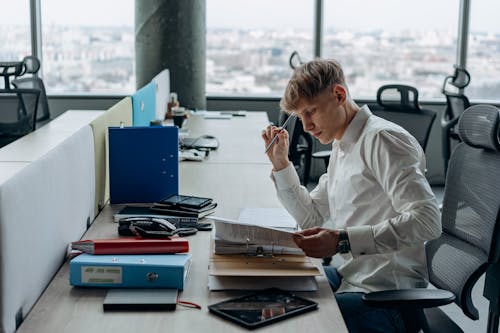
x=171, y=34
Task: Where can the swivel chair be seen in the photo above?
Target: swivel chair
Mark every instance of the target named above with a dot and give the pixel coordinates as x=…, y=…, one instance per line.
x=18, y=116
x=31, y=66
x=300, y=147
x=470, y=242
x=399, y=104
x=456, y=103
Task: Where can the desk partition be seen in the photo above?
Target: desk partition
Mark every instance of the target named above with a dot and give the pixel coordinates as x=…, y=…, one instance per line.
x=235, y=181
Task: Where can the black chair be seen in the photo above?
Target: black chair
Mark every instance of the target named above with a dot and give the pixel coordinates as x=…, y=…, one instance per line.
x=31, y=66
x=18, y=109
x=300, y=147
x=399, y=104
x=456, y=103
x=469, y=244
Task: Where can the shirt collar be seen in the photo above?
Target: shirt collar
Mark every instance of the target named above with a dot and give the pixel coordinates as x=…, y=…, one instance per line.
x=353, y=131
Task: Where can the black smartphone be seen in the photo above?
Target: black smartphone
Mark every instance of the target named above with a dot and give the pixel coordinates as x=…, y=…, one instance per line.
x=186, y=201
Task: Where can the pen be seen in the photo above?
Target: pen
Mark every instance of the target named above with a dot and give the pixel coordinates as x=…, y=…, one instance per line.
x=276, y=136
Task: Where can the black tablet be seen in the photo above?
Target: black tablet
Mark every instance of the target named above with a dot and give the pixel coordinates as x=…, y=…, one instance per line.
x=262, y=308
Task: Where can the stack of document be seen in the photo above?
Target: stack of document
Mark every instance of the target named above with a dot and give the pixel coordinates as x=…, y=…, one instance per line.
x=247, y=255
x=232, y=237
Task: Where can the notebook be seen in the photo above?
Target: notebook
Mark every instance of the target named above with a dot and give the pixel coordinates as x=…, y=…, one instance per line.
x=144, y=105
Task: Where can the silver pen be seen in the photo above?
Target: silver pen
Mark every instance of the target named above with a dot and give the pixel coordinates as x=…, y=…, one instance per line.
x=276, y=136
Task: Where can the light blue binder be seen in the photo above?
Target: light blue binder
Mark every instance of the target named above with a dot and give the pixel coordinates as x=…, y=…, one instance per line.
x=144, y=105
x=130, y=271
x=143, y=163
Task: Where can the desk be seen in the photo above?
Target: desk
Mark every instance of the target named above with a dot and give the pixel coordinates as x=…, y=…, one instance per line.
x=239, y=137
x=234, y=186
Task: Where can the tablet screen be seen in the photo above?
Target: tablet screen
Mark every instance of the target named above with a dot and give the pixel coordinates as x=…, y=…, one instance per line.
x=263, y=307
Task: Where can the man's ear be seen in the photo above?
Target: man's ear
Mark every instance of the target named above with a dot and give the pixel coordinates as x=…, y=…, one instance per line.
x=340, y=93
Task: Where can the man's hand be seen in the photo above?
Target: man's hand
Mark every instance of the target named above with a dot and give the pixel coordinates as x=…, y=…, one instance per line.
x=278, y=154
x=317, y=242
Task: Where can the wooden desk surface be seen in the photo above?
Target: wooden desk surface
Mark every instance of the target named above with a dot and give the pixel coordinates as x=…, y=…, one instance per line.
x=234, y=185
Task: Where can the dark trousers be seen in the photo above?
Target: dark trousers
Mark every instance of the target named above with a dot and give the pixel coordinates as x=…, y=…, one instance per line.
x=360, y=317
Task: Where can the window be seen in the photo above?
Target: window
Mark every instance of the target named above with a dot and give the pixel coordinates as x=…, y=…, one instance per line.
x=15, y=38
x=88, y=46
x=391, y=41
x=249, y=44
x=483, y=61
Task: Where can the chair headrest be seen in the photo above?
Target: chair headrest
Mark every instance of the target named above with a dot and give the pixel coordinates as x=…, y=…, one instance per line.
x=398, y=97
x=479, y=127
x=31, y=64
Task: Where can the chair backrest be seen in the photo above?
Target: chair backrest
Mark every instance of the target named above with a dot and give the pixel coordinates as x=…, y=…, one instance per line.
x=31, y=66
x=456, y=101
x=399, y=104
x=300, y=146
x=470, y=208
x=18, y=108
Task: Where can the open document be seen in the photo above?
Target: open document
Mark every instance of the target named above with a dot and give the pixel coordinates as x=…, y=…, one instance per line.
x=233, y=237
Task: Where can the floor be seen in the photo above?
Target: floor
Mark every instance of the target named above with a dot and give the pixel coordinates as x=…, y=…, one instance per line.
x=452, y=310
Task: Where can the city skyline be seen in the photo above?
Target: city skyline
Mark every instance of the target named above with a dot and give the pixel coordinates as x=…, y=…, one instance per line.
x=253, y=60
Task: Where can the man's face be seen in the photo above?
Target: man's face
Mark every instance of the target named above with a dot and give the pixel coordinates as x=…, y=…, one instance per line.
x=324, y=117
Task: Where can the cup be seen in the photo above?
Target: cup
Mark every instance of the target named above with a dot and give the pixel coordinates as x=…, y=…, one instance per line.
x=179, y=114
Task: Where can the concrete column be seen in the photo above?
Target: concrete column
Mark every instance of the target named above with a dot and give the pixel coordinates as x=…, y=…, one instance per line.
x=171, y=34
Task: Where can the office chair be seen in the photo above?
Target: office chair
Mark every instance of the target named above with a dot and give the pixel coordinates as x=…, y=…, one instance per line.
x=31, y=66
x=300, y=147
x=399, y=104
x=18, y=116
x=469, y=244
x=456, y=103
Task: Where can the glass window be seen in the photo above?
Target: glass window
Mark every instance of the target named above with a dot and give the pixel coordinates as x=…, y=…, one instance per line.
x=88, y=46
x=483, y=56
x=15, y=38
x=392, y=41
x=249, y=44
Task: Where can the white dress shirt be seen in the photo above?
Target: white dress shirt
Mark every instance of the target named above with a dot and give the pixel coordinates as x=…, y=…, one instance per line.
x=375, y=189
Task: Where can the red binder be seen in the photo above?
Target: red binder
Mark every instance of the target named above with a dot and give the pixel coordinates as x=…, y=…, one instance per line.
x=132, y=245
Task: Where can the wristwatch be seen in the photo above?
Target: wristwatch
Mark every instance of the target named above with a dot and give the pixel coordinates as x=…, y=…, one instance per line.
x=343, y=245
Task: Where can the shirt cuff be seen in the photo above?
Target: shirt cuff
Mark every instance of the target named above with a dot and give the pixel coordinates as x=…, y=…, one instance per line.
x=361, y=240
x=285, y=178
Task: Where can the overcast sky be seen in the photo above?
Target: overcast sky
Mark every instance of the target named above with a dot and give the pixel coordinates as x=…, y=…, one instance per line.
x=350, y=15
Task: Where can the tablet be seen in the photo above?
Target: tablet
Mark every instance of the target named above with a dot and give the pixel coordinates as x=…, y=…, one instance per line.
x=262, y=308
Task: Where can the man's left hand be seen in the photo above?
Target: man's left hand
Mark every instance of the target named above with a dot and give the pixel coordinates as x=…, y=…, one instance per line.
x=317, y=242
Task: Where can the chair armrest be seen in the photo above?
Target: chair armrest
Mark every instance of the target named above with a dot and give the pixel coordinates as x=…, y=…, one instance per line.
x=409, y=298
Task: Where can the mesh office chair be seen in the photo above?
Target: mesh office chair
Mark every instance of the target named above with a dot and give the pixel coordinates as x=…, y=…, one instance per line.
x=31, y=66
x=456, y=103
x=300, y=147
x=18, y=113
x=399, y=104
x=469, y=244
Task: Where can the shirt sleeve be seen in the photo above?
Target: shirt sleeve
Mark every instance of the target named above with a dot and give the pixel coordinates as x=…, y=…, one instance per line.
x=308, y=209
x=398, y=164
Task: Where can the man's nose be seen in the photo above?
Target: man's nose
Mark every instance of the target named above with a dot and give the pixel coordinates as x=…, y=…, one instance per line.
x=307, y=124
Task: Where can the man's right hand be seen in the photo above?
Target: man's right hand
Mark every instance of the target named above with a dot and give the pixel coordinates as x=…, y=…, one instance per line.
x=278, y=154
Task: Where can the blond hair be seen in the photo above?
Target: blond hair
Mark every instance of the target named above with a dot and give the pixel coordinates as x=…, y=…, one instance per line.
x=311, y=79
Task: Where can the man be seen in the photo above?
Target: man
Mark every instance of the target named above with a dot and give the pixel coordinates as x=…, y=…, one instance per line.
x=374, y=192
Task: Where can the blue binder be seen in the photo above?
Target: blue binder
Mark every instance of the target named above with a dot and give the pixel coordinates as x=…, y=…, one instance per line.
x=130, y=271
x=144, y=105
x=143, y=163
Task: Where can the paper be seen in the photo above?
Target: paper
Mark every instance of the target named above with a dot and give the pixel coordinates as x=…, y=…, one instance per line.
x=278, y=265
x=290, y=283
x=225, y=247
x=253, y=234
x=268, y=217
